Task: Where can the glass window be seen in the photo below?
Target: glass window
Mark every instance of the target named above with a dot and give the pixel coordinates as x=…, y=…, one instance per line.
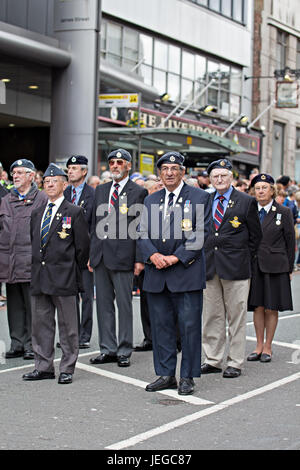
x=174, y=59
x=226, y=7
x=281, y=49
x=174, y=87
x=212, y=97
x=225, y=75
x=160, y=55
x=188, y=64
x=186, y=90
x=235, y=106
x=146, y=49
x=131, y=44
x=214, y=5
x=159, y=81
x=202, y=2
x=114, y=39
x=146, y=72
x=224, y=103
x=298, y=55
x=238, y=10
x=212, y=69
x=103, y=36
x=200, y=68
x=236, y=81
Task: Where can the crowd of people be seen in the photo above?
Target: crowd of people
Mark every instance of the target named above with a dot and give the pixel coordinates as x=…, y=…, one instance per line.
x=64, y=235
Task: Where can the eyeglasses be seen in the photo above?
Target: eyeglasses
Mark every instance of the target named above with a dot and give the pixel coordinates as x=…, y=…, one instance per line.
x=52, y=180
x=19, y=173
x=222, y=176
x=118, y=162
x=172, y=169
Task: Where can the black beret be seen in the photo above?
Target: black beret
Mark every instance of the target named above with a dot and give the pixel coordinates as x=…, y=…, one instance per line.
x=262, y=177
x=222, y=163
x=54, y=170
x=171, y=157
x=22, y=163
x=77, y=160
x=120, y=153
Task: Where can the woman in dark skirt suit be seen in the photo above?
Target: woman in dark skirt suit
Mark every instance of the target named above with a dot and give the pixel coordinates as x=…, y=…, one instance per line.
x=270, y=289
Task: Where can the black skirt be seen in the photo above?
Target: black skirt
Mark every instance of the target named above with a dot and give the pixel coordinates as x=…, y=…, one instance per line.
x=272, y=291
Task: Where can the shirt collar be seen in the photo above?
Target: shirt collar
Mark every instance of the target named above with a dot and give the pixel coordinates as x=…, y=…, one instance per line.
x=121, y=183
x=58, y=201
x=226, y=195
x=267, y=207
x=176, y=191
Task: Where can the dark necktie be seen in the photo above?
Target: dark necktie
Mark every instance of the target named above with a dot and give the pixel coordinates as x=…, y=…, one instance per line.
x=46, y=225
x=170, y=202
x=73, y=196
x=115, y=195
x=262, y=214
x=219, y=213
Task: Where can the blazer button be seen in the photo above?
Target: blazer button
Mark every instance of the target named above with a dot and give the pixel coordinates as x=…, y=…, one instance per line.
x=216, y=234
x=43, y=263
x=216, y=248
x=164, y=240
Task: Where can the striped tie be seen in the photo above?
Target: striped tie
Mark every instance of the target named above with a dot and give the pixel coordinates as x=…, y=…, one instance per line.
x=46, y=225
x=73, y=196
x=219, y=212
x=170, y=203
x=115, y=195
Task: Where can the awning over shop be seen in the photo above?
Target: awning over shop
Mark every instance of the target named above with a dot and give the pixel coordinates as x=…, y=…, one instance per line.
x=183, y=140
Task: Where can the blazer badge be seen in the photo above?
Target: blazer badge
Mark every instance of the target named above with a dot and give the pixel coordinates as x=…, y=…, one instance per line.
x=66, y=224
x=123, y=209
x=186, y=225
x=235, y=222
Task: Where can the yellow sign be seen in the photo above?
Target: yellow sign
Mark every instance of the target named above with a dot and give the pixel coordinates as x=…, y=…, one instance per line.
x=146, y=164
x=127, y=100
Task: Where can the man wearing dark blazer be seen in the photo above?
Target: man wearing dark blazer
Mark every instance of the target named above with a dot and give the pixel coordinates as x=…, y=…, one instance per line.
x=115, y=258
x=60, y=250
x=81, y=194
x=230, y=249
x=173, y=228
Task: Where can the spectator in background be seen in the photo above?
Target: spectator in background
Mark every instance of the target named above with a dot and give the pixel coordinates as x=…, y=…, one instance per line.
x=285, y=181
x=203, y=179
x=39, y=179
x=281, y=194
x=15, y=258
x=291, y=202
x=93, y=181
x=241, y=185
x=297, y=230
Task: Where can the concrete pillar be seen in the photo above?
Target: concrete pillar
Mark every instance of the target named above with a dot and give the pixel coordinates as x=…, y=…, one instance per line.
x=74, y=107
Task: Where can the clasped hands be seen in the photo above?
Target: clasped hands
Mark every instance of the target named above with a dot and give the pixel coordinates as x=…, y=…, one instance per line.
x=162, y=261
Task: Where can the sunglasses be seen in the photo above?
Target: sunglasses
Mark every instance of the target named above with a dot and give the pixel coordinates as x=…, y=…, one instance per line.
x=119, y=162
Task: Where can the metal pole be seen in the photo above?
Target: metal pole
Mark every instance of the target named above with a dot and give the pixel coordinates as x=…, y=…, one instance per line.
x=232, y=125
x=260, y=115
x=196, y=97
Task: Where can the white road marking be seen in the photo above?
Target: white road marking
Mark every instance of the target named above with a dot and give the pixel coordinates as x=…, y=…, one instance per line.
x=284, y=317
x=278, y=343
x=200, y=414
x=139, y=383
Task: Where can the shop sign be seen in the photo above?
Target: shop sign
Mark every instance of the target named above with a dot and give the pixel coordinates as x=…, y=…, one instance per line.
x=127, y=100
x=287, y=94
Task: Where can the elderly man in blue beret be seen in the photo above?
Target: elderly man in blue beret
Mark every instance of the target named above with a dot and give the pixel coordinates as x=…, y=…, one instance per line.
x=60, y=250
x=174, y=225
x=230, y=250
x=115, y=258
x=81, y=194
x=15, y=254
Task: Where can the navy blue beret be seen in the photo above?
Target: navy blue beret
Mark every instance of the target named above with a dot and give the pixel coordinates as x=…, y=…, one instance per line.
x=222, y=163
x=77, y=160
x=262, y=177
x=171, y=157
x=22, y=163
x=120, y=153
x=54, y=170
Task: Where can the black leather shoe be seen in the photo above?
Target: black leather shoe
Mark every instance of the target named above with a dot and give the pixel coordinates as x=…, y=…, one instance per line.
x=123, y=361
x=84, y=345
x=14, y=353
x=144, y=346
x=254, y=356
x=37, y=375
x=103, y=359
x=208, y=369
x=28, y=355
x=186, y=386
x=65, y=378
x=231, y=372
x=265, y=357
x=162, y=383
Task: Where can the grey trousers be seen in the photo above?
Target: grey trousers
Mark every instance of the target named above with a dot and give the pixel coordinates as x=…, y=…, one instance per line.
x=19, y=315
x=111, y=286
x=43, y=331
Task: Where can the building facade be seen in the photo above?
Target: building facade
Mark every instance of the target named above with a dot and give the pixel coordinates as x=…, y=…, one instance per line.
x=277, y=59
x=185, y=59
